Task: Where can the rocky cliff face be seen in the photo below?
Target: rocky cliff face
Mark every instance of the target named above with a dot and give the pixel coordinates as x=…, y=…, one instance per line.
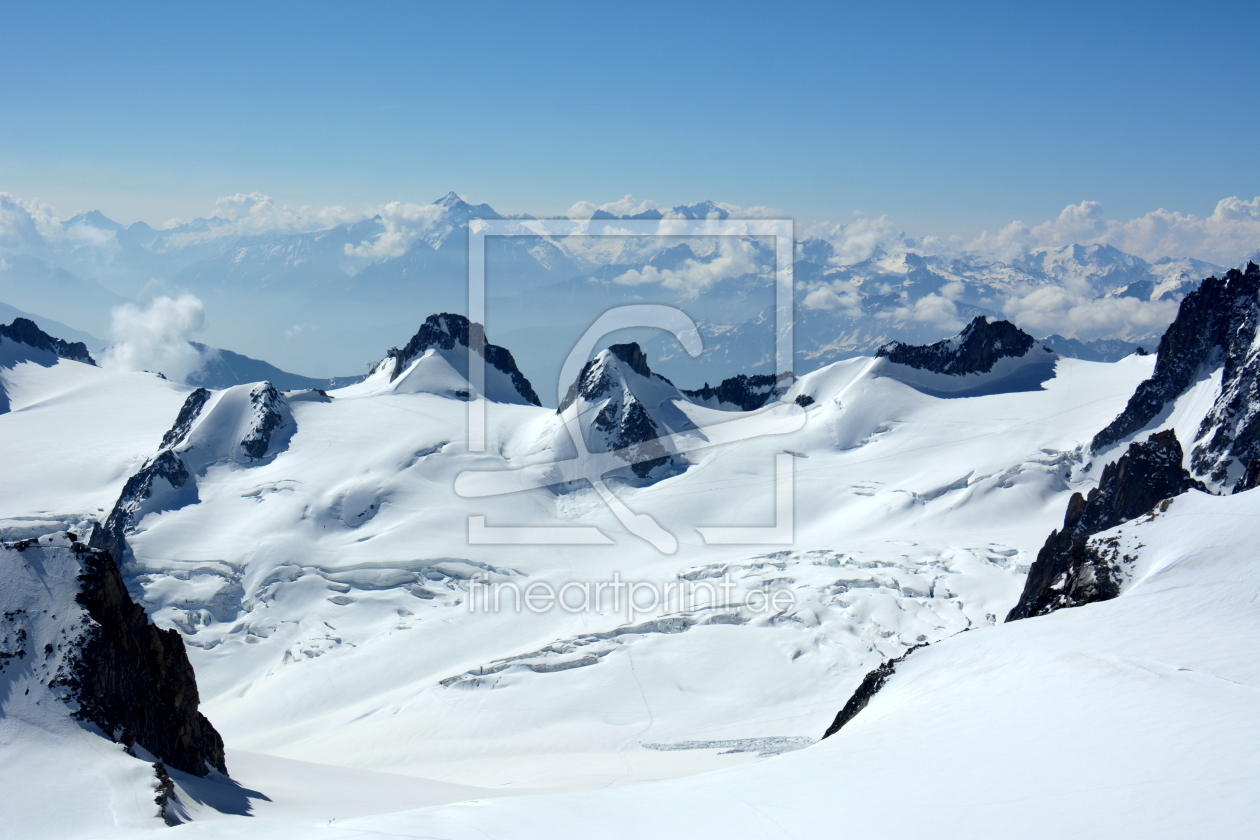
x=445, y=332
x=975, y=350
x=25, y=331
x=1069, y=571
x=1215, y=329
x=71, y=626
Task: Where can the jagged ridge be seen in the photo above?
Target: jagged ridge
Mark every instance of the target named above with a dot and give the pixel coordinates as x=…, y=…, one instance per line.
x=746, y=392
x=869, y=687
x=1215, y=322
x=25, y=331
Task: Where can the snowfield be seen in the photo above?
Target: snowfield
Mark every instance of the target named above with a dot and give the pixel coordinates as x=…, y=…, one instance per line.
x=347, y=645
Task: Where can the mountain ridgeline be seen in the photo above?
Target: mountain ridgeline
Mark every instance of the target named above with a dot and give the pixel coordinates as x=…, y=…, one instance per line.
x=25, y=331
x=447, y=331
x=975, y=350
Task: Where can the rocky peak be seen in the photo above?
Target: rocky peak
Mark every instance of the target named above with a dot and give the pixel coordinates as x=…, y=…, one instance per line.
x=446, y=331
x=1215, y=328
x=633, y=356
x=607, y=370
x=623, y=407
x=975, y=350
x=25, y=331
x=1067, y=573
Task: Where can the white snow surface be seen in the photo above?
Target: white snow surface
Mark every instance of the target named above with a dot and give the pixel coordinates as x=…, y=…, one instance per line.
x=324, y=594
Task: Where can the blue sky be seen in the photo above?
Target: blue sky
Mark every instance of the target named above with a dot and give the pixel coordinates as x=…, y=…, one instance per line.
x=948, y=117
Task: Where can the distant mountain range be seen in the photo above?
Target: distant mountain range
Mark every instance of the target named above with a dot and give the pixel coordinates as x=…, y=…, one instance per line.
x=325, y=300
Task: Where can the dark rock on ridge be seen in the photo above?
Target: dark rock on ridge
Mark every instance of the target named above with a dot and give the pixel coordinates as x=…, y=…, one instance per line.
x=266, y=402
x=188, y=412
x=1215, y=326
x=25, y=331
x=446, y=330
x=748, y=393
x=168, y=476
x=975, y=350
x=1068, y=571
x=870, y=686
x=165, y=466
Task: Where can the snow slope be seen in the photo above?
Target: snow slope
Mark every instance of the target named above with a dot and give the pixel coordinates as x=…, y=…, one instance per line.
x=334, y=597
x=295, y=577
x=1124, y=721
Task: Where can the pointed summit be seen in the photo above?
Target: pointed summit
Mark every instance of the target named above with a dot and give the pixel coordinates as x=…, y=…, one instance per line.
x=458, y=210
x=621, y=406
x=435, y=361
x=93, y=218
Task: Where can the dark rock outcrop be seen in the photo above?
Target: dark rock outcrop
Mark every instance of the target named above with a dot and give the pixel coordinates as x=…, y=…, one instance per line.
x=134, y=681
x=88, y=645
x=166, y=467
x=1068, y=571
x=869, y=687
x=445, y=331
x=1215, y=326
x=269, y=416
x=25, y=331
x=188, y=413
x=747, y=393
x=975, y=350
x=596, y=381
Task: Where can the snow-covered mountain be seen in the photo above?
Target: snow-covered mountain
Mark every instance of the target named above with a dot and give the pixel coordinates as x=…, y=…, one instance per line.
x=618, y=405
x=343, y=542
x=361, y=583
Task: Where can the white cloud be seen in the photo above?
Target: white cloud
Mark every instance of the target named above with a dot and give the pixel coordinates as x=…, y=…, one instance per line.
x=936, y=308
x=865, y=236
x=733, y=257
x=840, y=296
x=1057, y=309
x=25, y=224
x=157, y=338
x=252, y=213
x=403, y=223
x=1230, y=234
